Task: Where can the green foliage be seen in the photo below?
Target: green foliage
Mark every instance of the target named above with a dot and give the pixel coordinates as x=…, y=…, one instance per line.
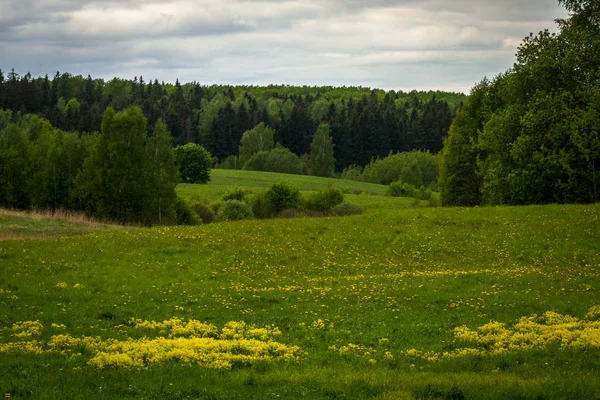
x=353, y=173
x=14, y=164
x=236, y=193
x=194, y=163
x=459, y=182
x=114, y=182
x=231, y=162
x=279, y=160
x=282, y=160
x=256, y=140
x=324, y=200
x=401, y=189
x=423, y=193
x=234, y=210
x=531, y=135
x=283, y=196
x=203, y=211
x=261, y=205
x=185, y=214
x=321, y=154
x=346, y=209
x=434, y=200
x=163, y=176
x=416, y=168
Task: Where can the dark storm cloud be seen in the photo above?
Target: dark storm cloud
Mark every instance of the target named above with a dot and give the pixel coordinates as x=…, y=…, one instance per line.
x=385, y=43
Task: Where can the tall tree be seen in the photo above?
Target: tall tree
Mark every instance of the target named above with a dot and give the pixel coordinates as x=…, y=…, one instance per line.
x=114, y=181
x=321, y=154
x=163, y=176
x=258, y=139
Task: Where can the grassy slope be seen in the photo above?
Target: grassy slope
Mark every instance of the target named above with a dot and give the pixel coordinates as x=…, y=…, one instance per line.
x=15, y=225
x=222, y=180
x=408, y=275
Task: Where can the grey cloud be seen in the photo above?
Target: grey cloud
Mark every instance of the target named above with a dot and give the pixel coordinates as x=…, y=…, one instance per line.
x=385, y=43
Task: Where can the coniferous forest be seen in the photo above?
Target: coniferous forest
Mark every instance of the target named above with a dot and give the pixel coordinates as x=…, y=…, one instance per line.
x=364, y=123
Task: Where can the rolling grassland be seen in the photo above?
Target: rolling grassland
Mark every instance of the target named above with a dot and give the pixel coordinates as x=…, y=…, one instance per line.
x=401, y=302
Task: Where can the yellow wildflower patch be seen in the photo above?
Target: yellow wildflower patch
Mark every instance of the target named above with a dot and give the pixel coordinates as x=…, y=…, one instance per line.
x=27, y=329
x=534, y=332
x=187, y=342
x=176, y=327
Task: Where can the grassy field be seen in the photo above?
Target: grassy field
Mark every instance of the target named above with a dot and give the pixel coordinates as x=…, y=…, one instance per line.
x=19, y=225
x=223, y=180
x=401, y=302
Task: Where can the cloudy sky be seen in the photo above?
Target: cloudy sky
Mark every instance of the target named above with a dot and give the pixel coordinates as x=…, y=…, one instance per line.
x=390, y=44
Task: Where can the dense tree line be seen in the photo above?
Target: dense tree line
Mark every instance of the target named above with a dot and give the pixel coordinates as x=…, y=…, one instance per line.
x=531, y=135
x=363, y=123
x=119, y=174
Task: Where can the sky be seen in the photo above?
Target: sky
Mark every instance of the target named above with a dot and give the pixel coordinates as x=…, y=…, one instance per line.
x=388, y=44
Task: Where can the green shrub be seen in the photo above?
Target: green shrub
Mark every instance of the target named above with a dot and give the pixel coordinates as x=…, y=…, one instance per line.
x=258, y=162
x=401, y=189
x=216, y=206
x=203, y=211
x=261, y=206
x=231, y=162
x=434, y=200
x=237, y=193
x=353, y=173
x=351, y=191
x=185, y=214
x=279, y=159
x=234, y=210
x=283, y=196
x=414, y=167
x=345, y=209
x=423, y=193
x=324, y=200
x=194, y=163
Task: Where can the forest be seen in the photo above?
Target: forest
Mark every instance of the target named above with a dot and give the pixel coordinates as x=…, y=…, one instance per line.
x=364, y=123
x=531, y=135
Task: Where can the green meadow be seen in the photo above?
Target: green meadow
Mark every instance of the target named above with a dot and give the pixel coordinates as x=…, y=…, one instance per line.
x=402, y=302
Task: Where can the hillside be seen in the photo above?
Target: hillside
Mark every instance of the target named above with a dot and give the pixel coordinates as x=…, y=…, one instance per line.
x=361, y=307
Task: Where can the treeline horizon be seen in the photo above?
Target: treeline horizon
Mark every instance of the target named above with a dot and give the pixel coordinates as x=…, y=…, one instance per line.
x=365, y=123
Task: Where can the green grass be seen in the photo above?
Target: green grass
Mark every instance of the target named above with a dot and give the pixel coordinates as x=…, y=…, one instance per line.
x=223, y=180
x=393, y=279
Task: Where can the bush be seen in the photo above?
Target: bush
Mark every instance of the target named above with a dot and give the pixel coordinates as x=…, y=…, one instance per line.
x=237, y=193
x=423, y=193
x=345, y=209
x=185, y=213
x=283, y=196
x=401, y=189
x=414, y=167
x=261, y=206
x=234, y=210
x=194, y=163
x=231, y=162
x=258, y=162
x=434, y=200
x=279, y=159
x=324, y=200
x=203, y=211
x=353, y=173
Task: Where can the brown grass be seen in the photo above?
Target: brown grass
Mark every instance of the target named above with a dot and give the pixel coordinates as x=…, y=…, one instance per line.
x=57, y=215
x=16, y=231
